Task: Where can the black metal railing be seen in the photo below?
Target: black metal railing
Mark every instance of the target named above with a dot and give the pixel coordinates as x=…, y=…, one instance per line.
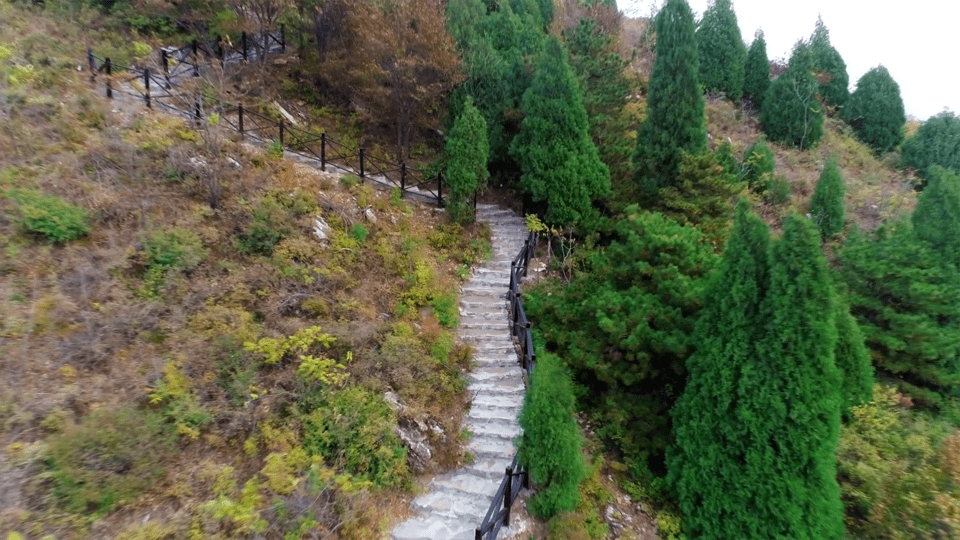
x=498, y=515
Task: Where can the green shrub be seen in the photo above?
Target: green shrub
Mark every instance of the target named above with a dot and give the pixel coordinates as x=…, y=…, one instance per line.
x=758, y=165
x=111, y=459
x=268, y=225
x=359, y=233
x=445, y=309
x=550, y=446
x=355, y=430
x=778, y=189
x=177, y=248
x=48, y=216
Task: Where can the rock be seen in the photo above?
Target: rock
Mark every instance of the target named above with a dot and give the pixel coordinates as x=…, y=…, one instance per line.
x=320, y=229
x=414, y=433
x=233, y=162
x=371, y=217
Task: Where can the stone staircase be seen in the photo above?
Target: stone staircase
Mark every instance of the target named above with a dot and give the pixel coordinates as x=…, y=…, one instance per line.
x=455, y=503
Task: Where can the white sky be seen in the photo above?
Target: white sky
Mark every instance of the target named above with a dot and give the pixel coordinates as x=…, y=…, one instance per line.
x=916, y=40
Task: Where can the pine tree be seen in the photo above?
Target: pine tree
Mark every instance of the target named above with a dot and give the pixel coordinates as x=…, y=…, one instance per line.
x=624, y=325
x=756, y=72
x=791, y=112
x=937, y=142
x=721, y=50
x=560, y=163
x=796, y=416
x=675, y=116
x=830, y=65
x=467, y=154
x=936, y=219
x=907, y=302
x=826, y=206
x=875, y=110
x=550, y=446
x=853, y=361
x=711, y=440
x=759, y=163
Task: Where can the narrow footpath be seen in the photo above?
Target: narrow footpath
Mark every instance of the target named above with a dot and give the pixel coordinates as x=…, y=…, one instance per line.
x=455, y=503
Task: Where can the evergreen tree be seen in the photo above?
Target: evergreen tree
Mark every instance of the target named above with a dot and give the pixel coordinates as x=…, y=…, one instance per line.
x=711, y=439
x=560, y=163
x=759, y=163
x=826, y=206
x=875, y=110
x=721, y=50
x=675, y=118
x=853, y=361
x=757, y=425
x=550, y=446
x=791, y=112
x=467, y=154
x=830, y=65
x=796, y=418
x=907, y=302
x=937, y=142
x=600, y=70
x=936, y=219
x=756, y=72
x=623, y=325
x=701, y=197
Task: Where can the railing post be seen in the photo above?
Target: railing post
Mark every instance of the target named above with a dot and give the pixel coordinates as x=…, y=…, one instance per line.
x=196, y=59
x=283, y=39
x=281, y=133
x=506, y=497
x=440, y=189
x=323, y=152
x=93, y=65
x=218, y=49
x=243, y=44
x=361, y=163
x=196, y=111
x=403, y=178
x=146, y=84
x=478, y=535
x=109, y=69
x=165, y=62
x=240, y=119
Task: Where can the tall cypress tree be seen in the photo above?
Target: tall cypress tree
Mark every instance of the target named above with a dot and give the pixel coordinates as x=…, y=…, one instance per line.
x=826, y=206
x=712, y=439
x=828, y=62
x=675, y=118
x=467, y=154
x=721, y=50
x=791, y=111
x=795, y=419
x=875, y=110
x=756, y=71
x=937, y=142
x=560, y=163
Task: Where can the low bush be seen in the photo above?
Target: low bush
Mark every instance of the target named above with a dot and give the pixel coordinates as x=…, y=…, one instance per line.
x=48, y=216
x=112, y=458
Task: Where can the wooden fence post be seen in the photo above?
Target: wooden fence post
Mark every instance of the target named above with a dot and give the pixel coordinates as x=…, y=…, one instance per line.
x=243, y=44
x=403, y=178
x=218, y=50
x=109, y=69
x=506, y=497
x=240, y=119
x=165, y=61
x=440, y=189
x=93, y=65
x=323, y=152
x=196, y=59
x=478, y=535
x=361, y=163
x=283, y=39
x=196, y=111
x=281, y=135
x=146, y=84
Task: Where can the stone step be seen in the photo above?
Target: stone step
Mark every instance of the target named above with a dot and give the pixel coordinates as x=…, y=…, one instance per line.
x=488, y=467
x=505, y=402
x=471, y=334
x=499, y=326
x=485, y=374
x=483, y=444
x=435, y=528
x=453, y=504
x=466, y=483
x=494, y=412
x=493, y=429
x=501, y=386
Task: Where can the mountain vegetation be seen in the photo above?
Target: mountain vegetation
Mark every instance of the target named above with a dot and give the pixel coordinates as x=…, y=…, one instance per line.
x=748, y=319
